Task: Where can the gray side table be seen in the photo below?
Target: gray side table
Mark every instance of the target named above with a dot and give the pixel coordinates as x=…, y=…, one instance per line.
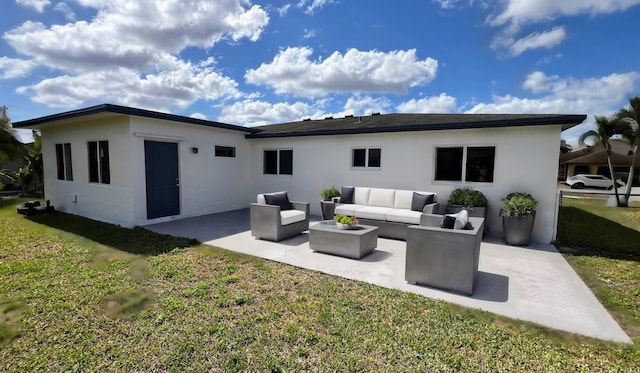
x=326, y=237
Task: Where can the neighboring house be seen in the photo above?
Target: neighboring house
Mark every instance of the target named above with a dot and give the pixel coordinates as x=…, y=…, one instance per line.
x=136, y=167
x=588, y=160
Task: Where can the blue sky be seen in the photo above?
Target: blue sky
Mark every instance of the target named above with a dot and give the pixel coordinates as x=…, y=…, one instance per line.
x=262, y=62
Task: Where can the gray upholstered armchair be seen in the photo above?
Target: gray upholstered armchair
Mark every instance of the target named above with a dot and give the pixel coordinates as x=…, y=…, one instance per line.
x=275, y=218
x=441, y=257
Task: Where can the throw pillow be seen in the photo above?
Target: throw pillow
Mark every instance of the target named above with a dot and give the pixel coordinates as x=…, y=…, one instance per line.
x=420, y=200
x=279, y=199
x=346, y=196
x=462, y=217
x=448, y=222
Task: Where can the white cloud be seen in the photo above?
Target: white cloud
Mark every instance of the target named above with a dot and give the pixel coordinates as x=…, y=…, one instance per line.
x=364, y=105
x=435, y=104
x=254, y=113
x=315, y=4
x=132, y=33
x=597, y=96
x=293, y=72
x=536, y=40
x=450, y=4
x=177, y=87
x=64, y=8
x=38, y=5
x=282, y=11
x=309, y=33
x=198, y=116
x=523, y=11
x=128, y=52
x=11, y=68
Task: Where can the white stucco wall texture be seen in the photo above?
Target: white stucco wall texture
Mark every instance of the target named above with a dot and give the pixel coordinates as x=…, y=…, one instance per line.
x=526, y=161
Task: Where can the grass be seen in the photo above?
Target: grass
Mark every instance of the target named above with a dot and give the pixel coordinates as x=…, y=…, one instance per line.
x=603, y=245
x=131, y=300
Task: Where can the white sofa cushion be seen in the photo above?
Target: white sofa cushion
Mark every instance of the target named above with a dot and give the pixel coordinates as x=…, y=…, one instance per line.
x=373, y=212
x=403, y=199
x=292, y=216
x=404, y=216
x=361, y=196
x=347, y=209
x=382, y=197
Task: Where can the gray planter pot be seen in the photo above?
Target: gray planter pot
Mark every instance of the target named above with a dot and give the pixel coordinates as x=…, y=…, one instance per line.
x=477, y=212
x=328, y=209
x=517, y=229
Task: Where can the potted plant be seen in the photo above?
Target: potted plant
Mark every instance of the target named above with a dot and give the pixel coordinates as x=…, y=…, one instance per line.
x=345, y=221
x=328, y=202
x=518, y=215
x=474, y=201
x=328, y=194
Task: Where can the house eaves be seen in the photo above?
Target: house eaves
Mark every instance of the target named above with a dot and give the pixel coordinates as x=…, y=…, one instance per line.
x=600, y=158
x=410, y=122
x=107, y=110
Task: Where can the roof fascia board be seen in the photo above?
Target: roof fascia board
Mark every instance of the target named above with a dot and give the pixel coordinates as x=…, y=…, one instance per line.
x=566, y=121
x=116, y=109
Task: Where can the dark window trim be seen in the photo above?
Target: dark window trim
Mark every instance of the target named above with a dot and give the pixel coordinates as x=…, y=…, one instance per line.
x=281, y=166
x=64, y=161
x=466, y=175
x=225, y=151
x=98, y=162
x=369, y=158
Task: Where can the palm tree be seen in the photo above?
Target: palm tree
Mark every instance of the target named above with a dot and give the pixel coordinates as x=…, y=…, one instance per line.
x=605, y=130
x=628, y=123
x=564, y=147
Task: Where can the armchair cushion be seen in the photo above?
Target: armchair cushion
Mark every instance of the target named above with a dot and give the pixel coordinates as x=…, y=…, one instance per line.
x=279, y=199
x=420, y=200
x=347, y=194
x=292, y=216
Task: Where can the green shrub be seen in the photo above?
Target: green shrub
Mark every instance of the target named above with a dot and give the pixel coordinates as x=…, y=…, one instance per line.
x=519, y=204
x=467, y=197
x=329, y=193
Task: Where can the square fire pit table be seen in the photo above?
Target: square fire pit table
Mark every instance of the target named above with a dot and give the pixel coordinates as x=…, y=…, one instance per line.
x=355, y=243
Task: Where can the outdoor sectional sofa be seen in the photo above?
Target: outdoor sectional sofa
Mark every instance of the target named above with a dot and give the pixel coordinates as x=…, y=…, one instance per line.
x=391, y=210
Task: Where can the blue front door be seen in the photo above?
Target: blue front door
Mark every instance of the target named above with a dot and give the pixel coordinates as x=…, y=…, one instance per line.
x=163, y=182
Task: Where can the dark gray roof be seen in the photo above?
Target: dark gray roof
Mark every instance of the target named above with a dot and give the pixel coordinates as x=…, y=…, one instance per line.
x=116, y=109
x=411, y=122
x=339, y=126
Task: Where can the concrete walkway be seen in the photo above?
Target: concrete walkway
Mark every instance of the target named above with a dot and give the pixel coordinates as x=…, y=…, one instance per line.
x=532, y=283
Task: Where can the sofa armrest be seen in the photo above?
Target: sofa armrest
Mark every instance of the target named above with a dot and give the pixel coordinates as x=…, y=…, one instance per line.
x=265, y=213
x=432, y=208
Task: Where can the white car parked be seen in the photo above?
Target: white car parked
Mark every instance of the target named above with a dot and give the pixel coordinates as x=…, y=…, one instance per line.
x=591, y=181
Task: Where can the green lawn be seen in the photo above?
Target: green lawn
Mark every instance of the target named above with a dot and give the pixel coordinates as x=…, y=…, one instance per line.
x=603, y=245
x=85, y=296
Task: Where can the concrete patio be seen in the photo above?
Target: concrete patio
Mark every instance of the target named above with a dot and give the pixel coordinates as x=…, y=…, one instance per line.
x=532, y=283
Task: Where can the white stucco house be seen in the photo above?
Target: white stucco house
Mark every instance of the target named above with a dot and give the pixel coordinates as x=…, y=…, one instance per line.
x=133, y=167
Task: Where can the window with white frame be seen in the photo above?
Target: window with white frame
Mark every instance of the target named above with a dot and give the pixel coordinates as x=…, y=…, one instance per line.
x=278, y=162
x=366, y=157
x=465, y=163
x=99, y=171
x=63, y=160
